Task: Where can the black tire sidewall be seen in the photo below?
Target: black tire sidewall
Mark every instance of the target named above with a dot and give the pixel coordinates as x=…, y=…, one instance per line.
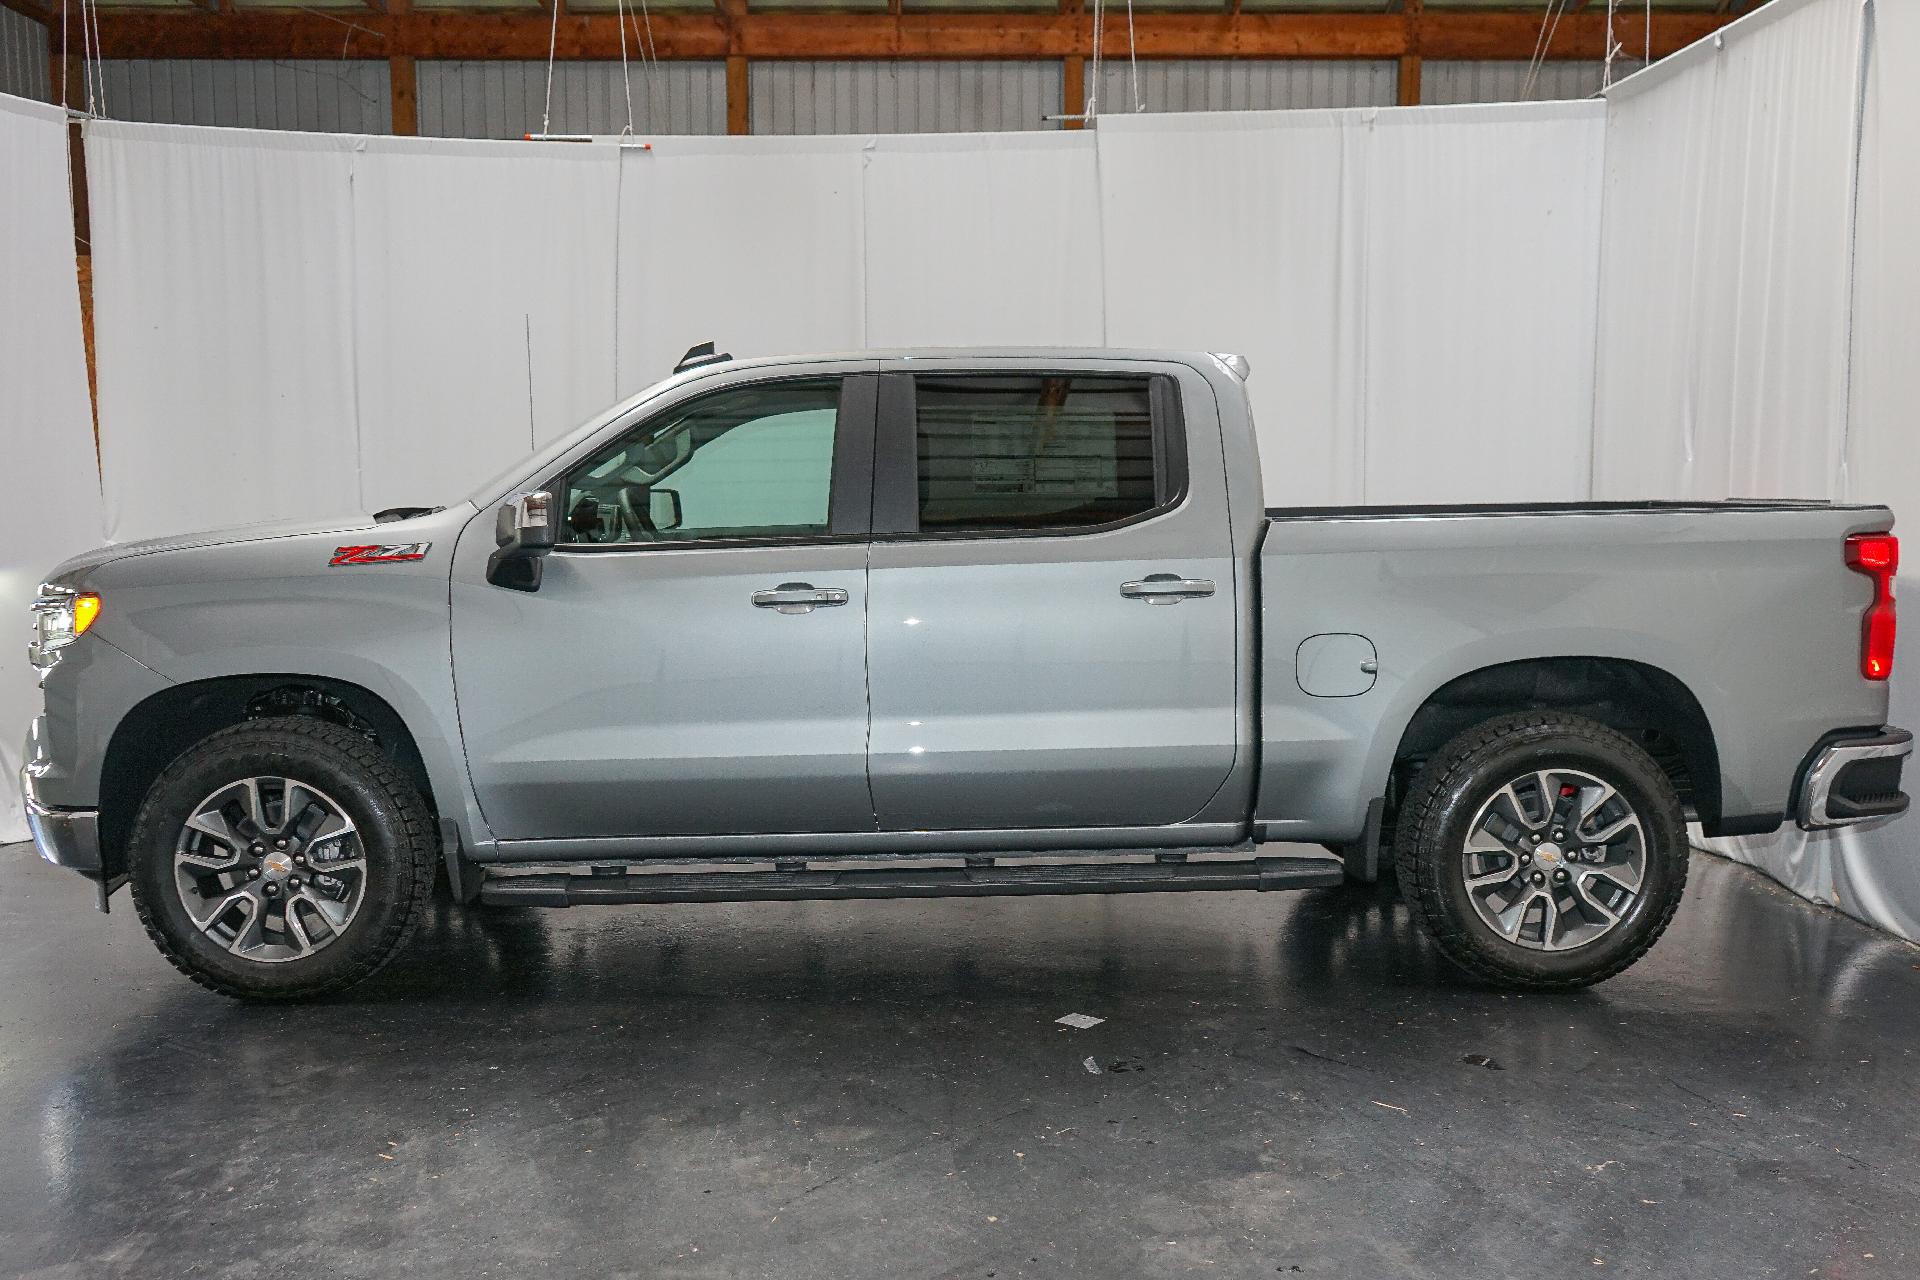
x=378, y=818
x=1641, y=783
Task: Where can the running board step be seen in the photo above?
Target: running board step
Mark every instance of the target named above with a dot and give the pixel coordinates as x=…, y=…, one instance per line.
x=566, y=889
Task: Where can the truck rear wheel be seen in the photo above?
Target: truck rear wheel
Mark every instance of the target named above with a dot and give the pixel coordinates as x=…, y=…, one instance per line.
x=1542, y=850
x=281, y=859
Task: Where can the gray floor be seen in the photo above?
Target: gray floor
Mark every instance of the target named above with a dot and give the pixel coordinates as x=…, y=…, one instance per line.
x=1288, y=1084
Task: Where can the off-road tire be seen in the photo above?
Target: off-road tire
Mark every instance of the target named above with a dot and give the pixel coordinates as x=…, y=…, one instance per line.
x=396, y=834
x=1444, y=798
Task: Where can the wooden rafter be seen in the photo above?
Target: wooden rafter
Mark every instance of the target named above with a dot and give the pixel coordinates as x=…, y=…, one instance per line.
x=182, y=33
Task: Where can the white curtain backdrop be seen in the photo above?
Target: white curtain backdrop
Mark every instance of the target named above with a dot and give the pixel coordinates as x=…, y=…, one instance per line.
x=752, y=242
x=1480, y=275
x=1725, y=262
x=1756, y=337
x=46, y=424
x=984, y=239
x=223, y=325
x=1306, y=241
x=1241, y=232
x=1876, y=874
x=300, y=325
x=483, y=290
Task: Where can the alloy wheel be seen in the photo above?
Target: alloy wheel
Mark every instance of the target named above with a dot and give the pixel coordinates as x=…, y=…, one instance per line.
x=271, y=869
x=1554, y=859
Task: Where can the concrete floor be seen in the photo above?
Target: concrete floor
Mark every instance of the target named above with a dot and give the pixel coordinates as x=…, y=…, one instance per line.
x=1289, y=1084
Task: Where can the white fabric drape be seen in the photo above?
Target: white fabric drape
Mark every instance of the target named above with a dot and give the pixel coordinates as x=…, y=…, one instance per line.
x=982, y=239
x=296, y=325
x=1306, y=241
x=46, y=423
x=223, y=325
x=1240, y=232
x=1480, y=277
x=483, y=278
x=1725, y=262
x=1876, y=874
x=752, y=242
x=1756, y=331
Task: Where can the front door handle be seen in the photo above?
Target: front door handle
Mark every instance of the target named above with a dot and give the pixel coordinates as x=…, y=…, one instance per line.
x=1166, y=588
x=798, y=597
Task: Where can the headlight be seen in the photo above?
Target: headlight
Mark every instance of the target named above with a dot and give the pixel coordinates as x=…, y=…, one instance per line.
x=61, y=615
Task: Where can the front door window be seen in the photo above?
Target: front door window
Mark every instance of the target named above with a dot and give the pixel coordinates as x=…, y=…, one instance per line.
x=750, y=462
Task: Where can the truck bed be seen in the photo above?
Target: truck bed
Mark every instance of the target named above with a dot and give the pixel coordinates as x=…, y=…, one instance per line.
x=1744, y=609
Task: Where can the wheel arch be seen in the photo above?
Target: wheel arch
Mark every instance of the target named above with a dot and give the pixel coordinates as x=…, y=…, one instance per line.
x=158, y=729
x=1643, y=701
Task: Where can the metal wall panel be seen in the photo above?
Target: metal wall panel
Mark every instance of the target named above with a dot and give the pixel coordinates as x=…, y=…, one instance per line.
x=23, y=57
x=902, y=97
x=509, y=99
x=314, y=96
x=1245, y=85
x=1449, y=83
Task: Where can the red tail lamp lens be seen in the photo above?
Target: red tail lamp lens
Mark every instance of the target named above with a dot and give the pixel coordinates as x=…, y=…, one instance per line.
x=1877, y=555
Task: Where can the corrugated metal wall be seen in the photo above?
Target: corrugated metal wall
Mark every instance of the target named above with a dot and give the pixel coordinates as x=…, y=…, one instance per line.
x=318, y=96
x=1449, y=83
x=508, y=99
x=902, y=97
x=23, y=57
x=1263, y=85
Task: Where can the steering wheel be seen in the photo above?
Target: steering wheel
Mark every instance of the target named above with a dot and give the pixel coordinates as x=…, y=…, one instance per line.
x=633, y=514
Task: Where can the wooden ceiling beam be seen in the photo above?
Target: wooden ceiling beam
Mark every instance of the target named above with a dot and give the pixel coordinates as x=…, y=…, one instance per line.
x=126, y=33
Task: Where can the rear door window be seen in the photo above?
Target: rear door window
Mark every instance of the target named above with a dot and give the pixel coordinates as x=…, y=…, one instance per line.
x=1033, y=453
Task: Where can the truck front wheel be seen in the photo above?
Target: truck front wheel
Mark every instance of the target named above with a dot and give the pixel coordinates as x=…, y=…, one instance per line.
x=1542, y=850
x=280, y=859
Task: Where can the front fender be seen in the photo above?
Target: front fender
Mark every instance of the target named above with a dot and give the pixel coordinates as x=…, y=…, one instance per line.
x=280, y=607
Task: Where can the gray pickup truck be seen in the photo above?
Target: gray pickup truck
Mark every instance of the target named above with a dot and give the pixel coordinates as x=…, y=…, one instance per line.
x=931, y=623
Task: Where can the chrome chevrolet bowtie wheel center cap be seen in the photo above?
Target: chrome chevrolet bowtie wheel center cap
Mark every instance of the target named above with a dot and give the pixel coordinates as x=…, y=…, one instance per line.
x=277, y=866
x=1547, y=853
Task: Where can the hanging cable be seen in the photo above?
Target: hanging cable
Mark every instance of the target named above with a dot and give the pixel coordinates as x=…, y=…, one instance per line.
x=649, y=60
x=553, y=42
x=626, y=81
x=1613, y=48
x=1646, y=30
x=1133, y=58
x=1092, y=110
x=1549, y=24
x=99, y=59
x=86, y=57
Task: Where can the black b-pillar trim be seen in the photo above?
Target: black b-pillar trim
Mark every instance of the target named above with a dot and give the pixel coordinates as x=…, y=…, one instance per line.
x=896, y=458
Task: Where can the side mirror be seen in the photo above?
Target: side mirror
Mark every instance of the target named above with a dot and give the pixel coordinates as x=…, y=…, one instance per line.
x=663, y=506
x=526, y=529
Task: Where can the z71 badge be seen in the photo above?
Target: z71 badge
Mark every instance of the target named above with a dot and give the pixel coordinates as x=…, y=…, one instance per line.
x=398, y=553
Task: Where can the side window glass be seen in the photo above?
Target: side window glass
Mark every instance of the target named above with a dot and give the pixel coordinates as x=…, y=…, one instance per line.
x=748, y=462
x=1033, y=452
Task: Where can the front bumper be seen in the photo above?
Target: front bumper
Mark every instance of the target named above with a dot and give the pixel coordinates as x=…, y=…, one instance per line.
x=1855, y=779
x=65, y=837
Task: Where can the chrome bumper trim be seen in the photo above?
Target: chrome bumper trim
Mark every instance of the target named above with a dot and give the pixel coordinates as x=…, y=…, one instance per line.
x=1817, y=787
x=65, y=837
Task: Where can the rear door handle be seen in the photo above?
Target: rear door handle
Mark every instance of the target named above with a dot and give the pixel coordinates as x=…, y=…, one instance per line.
x=798, y=597
x=1166, y=588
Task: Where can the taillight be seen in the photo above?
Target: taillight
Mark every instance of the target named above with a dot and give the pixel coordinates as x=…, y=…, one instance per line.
x=1878, y=556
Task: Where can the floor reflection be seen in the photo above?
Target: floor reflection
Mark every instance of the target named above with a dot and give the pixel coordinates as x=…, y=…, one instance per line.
x=880, y=1088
